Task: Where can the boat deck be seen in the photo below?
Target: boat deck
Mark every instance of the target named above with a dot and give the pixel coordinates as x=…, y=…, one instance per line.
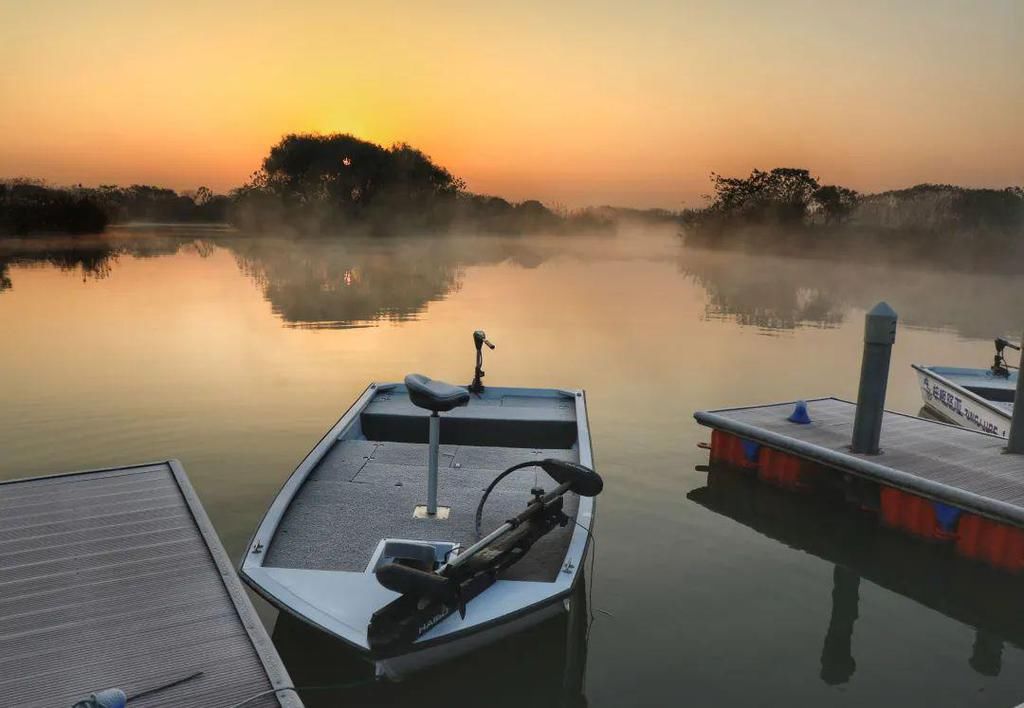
x=997, y=390
x=115, y=578
x=363, y=491
x=942, y=462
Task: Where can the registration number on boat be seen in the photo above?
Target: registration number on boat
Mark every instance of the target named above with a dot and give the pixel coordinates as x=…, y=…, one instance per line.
x=956, y=405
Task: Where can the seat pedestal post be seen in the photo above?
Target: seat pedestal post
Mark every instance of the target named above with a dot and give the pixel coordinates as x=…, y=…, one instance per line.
x=435, y=444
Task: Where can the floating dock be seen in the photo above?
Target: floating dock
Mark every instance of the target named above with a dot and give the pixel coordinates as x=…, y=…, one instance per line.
x=116, y=578
x=931, y=479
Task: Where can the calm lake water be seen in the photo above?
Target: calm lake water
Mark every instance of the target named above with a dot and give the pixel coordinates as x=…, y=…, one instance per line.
x=235, y=355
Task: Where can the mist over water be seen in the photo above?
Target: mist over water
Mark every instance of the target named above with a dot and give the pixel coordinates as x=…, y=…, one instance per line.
x=234, y=353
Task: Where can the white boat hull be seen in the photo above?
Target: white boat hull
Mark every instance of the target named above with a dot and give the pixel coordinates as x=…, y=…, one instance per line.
x=341, y=595
x=960, y=406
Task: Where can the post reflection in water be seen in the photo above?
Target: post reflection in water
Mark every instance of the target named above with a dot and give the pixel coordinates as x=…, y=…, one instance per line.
x=927, y=573
x=542, y=667
x=987, y=654
x=837, y=662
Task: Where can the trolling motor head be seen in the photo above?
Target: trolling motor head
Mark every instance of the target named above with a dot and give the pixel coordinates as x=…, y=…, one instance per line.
x=582, y=480
x=479, y=340
x=999, y=365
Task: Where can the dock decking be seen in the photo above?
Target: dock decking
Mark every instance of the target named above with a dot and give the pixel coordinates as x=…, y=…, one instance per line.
x=115, y=578
x=945, y=463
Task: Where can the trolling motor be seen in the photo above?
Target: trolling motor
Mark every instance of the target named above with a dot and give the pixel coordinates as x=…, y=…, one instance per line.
x=479, y=340
x=427, y=598
x=999, y=365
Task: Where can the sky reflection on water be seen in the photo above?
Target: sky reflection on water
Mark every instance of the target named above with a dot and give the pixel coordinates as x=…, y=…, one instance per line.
x=235, y=355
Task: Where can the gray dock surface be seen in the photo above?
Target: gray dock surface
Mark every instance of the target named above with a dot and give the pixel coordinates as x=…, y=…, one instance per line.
x=942, y=462
x=115, y=578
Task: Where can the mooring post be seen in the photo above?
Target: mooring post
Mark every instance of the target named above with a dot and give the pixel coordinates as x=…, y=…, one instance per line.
x=879, y=336
x=1015, y=441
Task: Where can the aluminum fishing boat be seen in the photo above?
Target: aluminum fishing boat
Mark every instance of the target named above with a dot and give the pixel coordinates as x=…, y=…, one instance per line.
x=975, y=398
x=433, y=519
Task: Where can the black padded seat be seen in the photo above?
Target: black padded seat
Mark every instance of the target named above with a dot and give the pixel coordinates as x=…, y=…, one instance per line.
x=436, y=396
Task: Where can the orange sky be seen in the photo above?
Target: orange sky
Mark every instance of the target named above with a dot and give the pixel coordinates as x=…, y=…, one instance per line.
x=573, y=103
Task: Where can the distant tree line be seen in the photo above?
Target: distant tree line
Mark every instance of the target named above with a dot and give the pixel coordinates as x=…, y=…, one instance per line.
x=31, y=207
x=791, y=201
x=784, y=195
x=141, y=202
x=307, y=184
x=339, y=183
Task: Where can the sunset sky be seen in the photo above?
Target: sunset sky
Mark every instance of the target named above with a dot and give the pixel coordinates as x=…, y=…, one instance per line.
x=572, y=103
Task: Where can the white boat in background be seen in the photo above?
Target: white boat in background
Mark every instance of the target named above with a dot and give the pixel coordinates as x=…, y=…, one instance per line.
x=981, y=399
x=378, y=537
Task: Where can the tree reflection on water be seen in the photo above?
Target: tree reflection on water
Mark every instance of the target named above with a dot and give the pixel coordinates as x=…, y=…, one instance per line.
x=323, y=283
x=785, y=292
x=353, y=282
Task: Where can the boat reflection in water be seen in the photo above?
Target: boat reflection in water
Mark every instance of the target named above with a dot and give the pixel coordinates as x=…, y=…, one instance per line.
x=544, y=666
x=929, y=574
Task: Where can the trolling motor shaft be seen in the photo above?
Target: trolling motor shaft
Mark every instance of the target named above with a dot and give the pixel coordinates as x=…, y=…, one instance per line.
x=479, y=340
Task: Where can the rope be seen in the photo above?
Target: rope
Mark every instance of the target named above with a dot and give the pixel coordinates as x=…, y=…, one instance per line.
x=172, y=684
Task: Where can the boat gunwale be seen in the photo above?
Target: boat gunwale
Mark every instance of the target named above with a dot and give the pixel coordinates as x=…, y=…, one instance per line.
x=274, y=592
x=976, y=398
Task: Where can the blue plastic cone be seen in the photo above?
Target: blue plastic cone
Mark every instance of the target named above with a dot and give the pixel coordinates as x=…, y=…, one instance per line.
x=799, y=414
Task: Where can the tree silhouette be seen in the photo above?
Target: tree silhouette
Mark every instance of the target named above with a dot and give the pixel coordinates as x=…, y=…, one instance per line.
x=31, y=207
x=343, y=171
x=782, y=195
x=835, y=202
x=340, y=183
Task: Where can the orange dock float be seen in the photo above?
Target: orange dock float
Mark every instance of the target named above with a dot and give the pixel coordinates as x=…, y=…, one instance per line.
x=931, y=480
